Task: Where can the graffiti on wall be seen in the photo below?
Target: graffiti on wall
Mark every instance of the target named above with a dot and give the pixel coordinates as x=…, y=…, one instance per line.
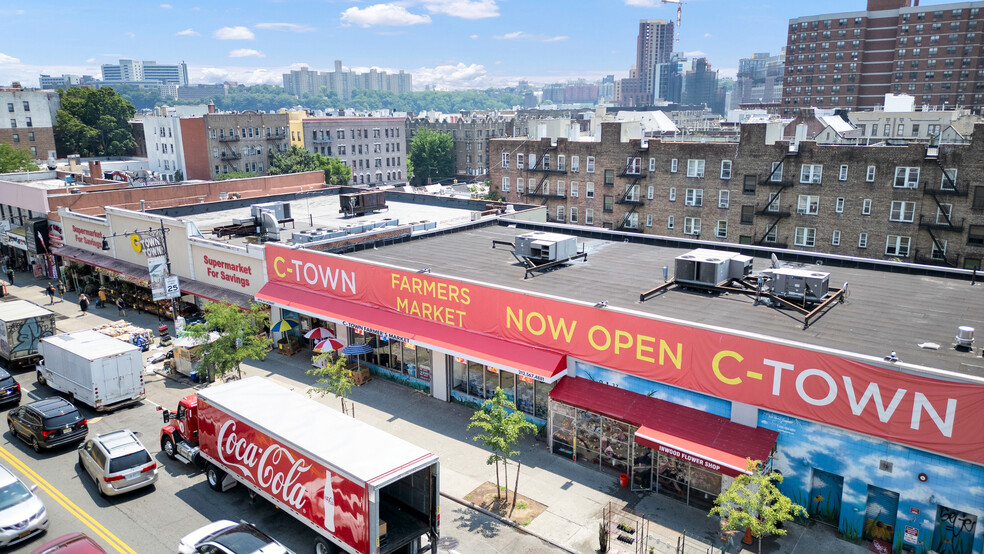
x=954, y=531
x=21, y=338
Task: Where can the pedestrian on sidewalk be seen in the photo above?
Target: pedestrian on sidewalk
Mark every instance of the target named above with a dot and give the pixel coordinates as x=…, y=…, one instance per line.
x=101, y=302
x=10, y=275
x=121, y=306
x=61, y=290
x=50, y=291
x=83, y=302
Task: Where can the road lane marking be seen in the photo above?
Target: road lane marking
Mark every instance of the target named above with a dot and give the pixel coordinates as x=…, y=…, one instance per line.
x=72, y=508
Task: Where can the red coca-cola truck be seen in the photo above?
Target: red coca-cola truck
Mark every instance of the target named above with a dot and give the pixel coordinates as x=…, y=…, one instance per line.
x=360, y=489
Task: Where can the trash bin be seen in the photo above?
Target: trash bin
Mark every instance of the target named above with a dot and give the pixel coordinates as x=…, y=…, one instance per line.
x=193, y=376
x=623, y=479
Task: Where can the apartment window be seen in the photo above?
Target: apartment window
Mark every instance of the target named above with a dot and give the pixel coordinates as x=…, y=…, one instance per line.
x=673, y=165
x=939, y=250
x=839, y=206
x=609, y=177
x=949, y=179
x=670, y=224
x=906, y=177
x=609, y=203
x=546, y=162
x=721, y=231
x=842, y=176
x=805, y=236
x=694, y=197
x=835, y=238
x=590, y=164
x=505, y=159
x=589, y=216
x=724, y=198
x=650, y=192
x=776, y=175
x=574, y=189
x=573, y=218
x=725, y=169
x=589, y=190
x=897, y=246
x=943, y=213
x=16, y=137
x=532, y=160
x=772, y=234
x=747, y=215
x=13, y=123
x=633, y=166
x=691, y=225
x=560, y=213
x=560, y=188
x=695, y=168
x=673, y=194
x=34, y=151
x=808, y=204
x=505, y=184
x=561, y=163
x=652, y=164
x=748, y=186
x=863, y=240
x=531, y=186
x=902, y=211
x=870, y=174
x=10, y=107
x=520, y=160
x=649, y=220
x=811, y=173
x=576, y=166
x=866, y=206
x=27, y=106
x=520, y=185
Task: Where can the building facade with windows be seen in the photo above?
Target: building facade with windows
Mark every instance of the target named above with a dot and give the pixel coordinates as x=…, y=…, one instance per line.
x=654, y=45
x=304, y=81
x=28, y=121
x=932, y=52
x=471, y=133
x=243, y=141
x=915, y=203
x=141, y=71
x=374, y=148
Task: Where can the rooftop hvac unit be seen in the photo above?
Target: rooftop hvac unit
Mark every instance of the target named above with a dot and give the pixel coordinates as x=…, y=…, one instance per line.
x=269, y=226
x=546, y=247
x=280, y=210
x=710, y=267
x=965, y=337
x=799, y=283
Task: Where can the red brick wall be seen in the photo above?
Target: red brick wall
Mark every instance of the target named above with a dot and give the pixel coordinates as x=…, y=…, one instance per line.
x=195, y=148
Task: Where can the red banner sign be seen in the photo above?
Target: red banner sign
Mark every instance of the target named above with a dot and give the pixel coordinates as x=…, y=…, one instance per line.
x=934, y=415
x=294, y=480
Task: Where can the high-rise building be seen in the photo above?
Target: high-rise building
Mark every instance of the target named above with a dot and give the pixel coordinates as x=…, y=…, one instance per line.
x=700, y=85
x=853, y=59
x=654, y=45
x=145, y=72
x=304, y=81
x=49, y=82
x=759, y=79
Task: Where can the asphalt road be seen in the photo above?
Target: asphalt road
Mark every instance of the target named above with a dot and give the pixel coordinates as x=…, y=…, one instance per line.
x=154, y=519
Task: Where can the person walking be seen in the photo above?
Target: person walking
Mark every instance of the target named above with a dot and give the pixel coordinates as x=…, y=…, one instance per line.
x=61, y=290
x=10, y=275
x=101, y=303
x=83, y=302
x=50, y=291
x=121, y=306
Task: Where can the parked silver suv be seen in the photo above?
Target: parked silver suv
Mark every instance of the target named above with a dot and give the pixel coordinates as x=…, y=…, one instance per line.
x=117, y=462
x=22, y=514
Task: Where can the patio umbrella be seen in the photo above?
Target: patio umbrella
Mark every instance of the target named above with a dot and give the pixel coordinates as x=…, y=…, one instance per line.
x=284, y=325
x=319, y=333
x=356, y=349
x=327, y=344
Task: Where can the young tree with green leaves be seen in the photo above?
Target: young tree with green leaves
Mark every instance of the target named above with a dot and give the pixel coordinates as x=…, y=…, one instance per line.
x=240, y=332
x=754, y=502
x=333, y=376
x=94, y=122
x=502, y=426
x=432, y=155
x=299, y=160
x=234, y=175
x=12, y=159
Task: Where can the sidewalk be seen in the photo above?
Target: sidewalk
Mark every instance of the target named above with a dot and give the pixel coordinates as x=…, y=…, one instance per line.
x=574, y=495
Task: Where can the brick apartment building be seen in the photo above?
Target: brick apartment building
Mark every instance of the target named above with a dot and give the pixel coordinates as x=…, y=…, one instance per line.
x=853, y=59
x=243, y=141
x=915, y=203
x=28, y=121
x=471, y=134
x=375, y=148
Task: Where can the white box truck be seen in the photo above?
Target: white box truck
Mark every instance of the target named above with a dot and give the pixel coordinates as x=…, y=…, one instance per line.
x=93, y=368
x=22, y=325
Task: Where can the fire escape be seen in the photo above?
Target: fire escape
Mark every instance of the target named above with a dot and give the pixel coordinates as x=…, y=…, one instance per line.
x=943, y=222
x=772, y=208
x=537, y=165
x=631, y=197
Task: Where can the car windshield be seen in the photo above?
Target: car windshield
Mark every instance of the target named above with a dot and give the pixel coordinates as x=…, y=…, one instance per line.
x=242, y=538
x=123, y=463
x=13, y=494
x=62, y=420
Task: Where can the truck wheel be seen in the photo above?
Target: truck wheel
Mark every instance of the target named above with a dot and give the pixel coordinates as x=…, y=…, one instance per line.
x=41, y=380
x=167, y=446
x=322, y=546
x=214, y=476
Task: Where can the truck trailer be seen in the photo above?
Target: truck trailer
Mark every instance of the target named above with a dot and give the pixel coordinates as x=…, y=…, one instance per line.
x=362, y=490
x=95, y=369
x=22, y=326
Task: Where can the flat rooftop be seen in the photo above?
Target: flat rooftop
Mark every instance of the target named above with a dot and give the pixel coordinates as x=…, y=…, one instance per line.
x=885, y=311
x=322, y=211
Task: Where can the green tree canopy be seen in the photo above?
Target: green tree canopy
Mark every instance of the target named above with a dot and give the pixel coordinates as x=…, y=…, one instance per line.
x=233, y=175
x=333, y=377
x=94, y=122
x=299, y=160
x=12, y=159
x=241, y=335
x=432, y=155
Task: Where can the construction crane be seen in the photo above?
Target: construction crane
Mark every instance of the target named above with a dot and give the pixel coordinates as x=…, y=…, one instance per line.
x=679, y=4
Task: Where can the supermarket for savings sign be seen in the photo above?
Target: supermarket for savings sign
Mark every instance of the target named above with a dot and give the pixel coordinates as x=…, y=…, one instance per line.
x=939, y=416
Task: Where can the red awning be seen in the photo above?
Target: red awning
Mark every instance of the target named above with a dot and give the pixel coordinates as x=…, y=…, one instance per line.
x=706, y=439
x=536, y=363
x=134, y=273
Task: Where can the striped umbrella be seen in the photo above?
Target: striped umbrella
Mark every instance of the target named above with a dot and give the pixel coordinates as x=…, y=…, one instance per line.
x=327, y=344
x=356, y=349
x=319, y=333
x=285, y=325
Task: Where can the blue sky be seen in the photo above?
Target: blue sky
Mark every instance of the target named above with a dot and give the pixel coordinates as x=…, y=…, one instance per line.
x=452, y=44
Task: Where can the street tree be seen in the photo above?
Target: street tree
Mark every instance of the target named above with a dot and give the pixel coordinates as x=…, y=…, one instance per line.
x=754, y=502
x=94, y=122
x=502, y=426
x=333, y=377
x=238, y=334
x=432, y=155
x=299, y=160
x=12, y=160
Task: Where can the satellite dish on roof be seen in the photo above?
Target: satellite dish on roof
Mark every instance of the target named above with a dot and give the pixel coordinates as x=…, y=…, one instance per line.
x=775, y=262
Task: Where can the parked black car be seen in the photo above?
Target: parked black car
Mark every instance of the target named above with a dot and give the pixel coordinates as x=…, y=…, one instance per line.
x=47, y=423
x=9, y=389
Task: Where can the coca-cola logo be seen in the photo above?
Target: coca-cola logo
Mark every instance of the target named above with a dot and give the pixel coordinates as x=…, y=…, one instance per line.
x=264, y=466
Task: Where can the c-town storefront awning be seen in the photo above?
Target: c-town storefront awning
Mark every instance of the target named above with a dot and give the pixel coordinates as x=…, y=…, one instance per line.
x=528, y=361
x=699, y=437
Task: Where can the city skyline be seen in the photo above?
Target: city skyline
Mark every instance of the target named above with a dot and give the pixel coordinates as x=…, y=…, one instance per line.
x=442, y=43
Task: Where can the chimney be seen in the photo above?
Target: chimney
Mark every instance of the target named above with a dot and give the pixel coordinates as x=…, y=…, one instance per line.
x=95, y=171
x=211, y=106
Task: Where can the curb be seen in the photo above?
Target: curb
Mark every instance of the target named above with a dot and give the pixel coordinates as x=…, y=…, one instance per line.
x=504, y=521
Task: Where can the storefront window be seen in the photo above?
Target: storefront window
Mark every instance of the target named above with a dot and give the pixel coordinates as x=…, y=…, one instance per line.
x=705, y=485
x=642, y=468
x=542, y=391
x=507, y=381
x=588, y=438
x=524, y=394
x=615, y=445
x=674, y=477
x=459, y=375
x=396, y=356
x=563, y=431
x=476, y=379
x=491, y=381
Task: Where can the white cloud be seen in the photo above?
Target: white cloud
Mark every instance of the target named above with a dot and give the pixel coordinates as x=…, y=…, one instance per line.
x=5, y=59
x=234, y=33
x=707, y=35
x=166, y=6
x=473, y=36
x=642, y=3
x=189, y=32
x=382, y=14
x=458, y=76
x=20, y=12
x=510, y=36
x=465, y=9
x=91, y=60
x=131, y=35
x=520, y=35
x=293, y=27
x=246, y=53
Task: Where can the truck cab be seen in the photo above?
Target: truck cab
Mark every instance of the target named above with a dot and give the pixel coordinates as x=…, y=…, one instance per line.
x=179, y=435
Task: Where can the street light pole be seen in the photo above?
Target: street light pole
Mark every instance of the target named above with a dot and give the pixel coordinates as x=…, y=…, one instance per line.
x=167, y=258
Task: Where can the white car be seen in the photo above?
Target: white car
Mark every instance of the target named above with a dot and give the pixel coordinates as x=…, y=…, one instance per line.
x=117, y=462
x=22, y=514
x=229, y=537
